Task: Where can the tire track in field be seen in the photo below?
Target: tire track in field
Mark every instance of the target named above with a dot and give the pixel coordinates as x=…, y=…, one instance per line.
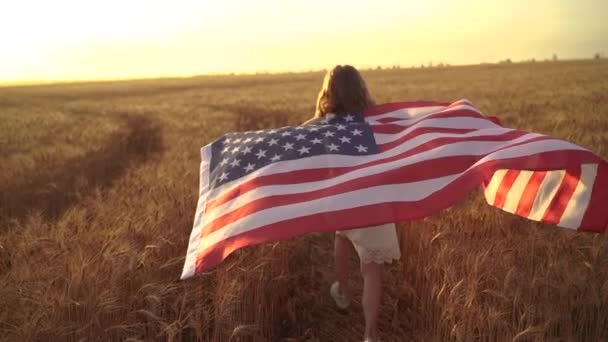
x=109, y=90
x=57, y=190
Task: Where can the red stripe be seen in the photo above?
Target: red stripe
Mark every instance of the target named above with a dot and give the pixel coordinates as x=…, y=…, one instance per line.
x=495, y=120
x=302, y=176
x=564, y=193
x=596, y=215
x=425, y=170
x=370, y=215
x=527, y=198
x=504, y=187
x=390, y=107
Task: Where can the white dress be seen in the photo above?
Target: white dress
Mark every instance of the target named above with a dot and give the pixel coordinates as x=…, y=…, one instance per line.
x=374, y=244
x=377, y=244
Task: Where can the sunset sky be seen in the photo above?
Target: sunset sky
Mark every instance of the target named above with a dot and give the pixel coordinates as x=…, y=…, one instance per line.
x=69, y=40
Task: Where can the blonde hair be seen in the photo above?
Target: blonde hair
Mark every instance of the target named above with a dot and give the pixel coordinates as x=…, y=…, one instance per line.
x=343, y=91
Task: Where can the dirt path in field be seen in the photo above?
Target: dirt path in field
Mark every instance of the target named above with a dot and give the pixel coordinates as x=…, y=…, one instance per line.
x=52, y=192
x=398, y=316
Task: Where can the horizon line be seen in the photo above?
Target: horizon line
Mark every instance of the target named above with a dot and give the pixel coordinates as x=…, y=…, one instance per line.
x=429, y=65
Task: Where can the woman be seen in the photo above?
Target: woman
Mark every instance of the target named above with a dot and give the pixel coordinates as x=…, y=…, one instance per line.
x=344, y=91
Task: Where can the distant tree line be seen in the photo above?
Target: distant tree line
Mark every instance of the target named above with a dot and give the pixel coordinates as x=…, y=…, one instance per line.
x=554, y=58
x=430, y=64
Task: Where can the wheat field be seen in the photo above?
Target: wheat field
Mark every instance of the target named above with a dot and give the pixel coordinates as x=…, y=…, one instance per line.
x=98, y=187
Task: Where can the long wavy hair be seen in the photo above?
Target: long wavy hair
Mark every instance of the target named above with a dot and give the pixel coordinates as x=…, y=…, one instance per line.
x=343, y=91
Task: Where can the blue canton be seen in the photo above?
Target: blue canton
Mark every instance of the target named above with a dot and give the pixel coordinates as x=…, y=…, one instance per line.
x=238, y=154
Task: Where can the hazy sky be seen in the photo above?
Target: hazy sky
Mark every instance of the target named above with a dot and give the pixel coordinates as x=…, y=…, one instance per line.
x=69, y=39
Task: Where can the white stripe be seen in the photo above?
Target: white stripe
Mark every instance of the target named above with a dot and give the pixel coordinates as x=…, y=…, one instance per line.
x=492, y=188
x=195, y=235
x=573, y=215
x=336, y=160
x=413, y=115
x=456, y=122
x=546, y=192
x=473, y=148
x=516, y=191
x=404, y=192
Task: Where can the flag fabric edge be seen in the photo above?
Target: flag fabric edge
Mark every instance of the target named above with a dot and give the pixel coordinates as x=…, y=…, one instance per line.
x=212, y=256
x=198, y=261
x=189, y=268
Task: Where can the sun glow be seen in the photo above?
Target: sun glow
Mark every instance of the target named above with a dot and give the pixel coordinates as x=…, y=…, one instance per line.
x=68, y=39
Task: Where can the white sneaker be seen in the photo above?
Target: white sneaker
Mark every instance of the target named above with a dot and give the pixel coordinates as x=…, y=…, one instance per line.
x=342, y=301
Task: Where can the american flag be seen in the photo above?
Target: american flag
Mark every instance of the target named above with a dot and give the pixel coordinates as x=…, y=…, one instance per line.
x=395, y=162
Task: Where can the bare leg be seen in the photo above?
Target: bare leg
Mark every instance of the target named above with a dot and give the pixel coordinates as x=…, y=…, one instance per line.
x=372, y=293
x=341, y=249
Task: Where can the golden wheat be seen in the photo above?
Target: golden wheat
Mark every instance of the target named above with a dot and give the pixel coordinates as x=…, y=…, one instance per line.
x=98, y=187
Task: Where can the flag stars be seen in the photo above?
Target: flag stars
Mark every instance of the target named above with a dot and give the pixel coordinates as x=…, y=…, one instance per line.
x=249, y=167
x=224, y=176
x=360, y=148
x=261, y=154
x=288, y=146
x=333, y=147
x=344, y=140
x=304, y=150
x=243, y=153
x=356, y=132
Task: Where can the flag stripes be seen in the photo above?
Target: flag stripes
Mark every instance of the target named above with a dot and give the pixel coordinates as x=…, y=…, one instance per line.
x=529, y=194
x=441, y=144
x=559, y=196
x=430, y=155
